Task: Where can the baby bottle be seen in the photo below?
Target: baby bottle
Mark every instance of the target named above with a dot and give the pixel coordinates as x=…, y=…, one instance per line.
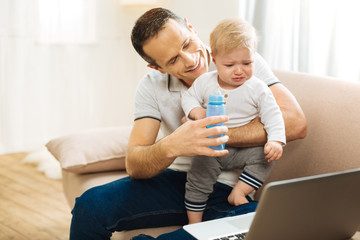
x=216, y=107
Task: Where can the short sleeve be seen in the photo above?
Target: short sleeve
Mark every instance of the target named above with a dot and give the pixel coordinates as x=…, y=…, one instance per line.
x=263, y=71
x=146, y=104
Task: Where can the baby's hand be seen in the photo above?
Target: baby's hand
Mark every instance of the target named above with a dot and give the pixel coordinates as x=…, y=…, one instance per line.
x=197, y=113
x=273, y=150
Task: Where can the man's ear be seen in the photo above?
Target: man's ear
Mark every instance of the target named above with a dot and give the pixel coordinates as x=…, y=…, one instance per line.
x=190, y=25
x=156, y=68
x=212, y=57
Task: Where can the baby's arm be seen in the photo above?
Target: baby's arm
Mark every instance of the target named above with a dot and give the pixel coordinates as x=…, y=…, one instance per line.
x=191, y=102
x=197, y=113
x=273, y=150
x=273, y=121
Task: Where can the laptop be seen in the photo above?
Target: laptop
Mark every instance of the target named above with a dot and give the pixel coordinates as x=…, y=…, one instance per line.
x=325, y=206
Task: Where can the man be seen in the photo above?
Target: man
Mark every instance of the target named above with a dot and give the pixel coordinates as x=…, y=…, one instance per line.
x=153, y=196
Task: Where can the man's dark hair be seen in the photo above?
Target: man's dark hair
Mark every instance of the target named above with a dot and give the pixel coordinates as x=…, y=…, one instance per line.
x=148, y=26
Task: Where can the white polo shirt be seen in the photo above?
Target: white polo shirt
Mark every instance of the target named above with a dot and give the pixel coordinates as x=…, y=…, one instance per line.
x=158, y=96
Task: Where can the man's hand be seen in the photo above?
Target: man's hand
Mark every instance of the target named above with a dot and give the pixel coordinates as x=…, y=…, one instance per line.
x=273, y=150
x=146, y=158
x=191, y=138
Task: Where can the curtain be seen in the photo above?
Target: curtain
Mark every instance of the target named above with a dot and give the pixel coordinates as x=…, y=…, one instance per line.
x=65, y=66
x=68, y=65
x=319, y=37
x=67, y=21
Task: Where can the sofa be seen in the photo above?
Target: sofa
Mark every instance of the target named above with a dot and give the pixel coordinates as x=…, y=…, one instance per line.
x=332, y=110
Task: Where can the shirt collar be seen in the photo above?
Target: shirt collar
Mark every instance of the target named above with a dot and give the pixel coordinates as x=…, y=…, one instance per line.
x=174, y=84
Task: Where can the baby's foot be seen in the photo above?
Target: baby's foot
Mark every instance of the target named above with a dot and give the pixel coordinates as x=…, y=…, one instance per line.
x=237, y=198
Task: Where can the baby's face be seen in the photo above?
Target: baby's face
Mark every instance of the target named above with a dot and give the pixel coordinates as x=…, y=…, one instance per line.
x=234, y=67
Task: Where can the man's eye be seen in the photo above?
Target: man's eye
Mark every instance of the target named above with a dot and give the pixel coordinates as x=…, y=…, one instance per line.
x=187, y=44
x=173, y=61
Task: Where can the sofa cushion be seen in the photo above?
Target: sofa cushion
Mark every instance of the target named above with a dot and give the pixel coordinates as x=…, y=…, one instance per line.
x=331, y=144
x=94, y=150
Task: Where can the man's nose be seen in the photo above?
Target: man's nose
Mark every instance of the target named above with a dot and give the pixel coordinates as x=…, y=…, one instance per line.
x=189, y=59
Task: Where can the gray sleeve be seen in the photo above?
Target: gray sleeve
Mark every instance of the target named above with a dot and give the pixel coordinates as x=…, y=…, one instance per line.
x=146, y=104
x=263, y=71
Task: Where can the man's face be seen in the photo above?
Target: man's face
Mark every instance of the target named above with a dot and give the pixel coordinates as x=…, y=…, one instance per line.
x=178, y=51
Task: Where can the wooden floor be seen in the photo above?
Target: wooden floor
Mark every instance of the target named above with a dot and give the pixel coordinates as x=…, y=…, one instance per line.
x=31, y=205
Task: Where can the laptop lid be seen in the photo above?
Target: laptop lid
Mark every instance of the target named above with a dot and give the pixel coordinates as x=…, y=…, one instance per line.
x=318, y=207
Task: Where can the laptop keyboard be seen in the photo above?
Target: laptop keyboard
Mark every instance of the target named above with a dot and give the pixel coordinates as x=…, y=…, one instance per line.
x=232, y=237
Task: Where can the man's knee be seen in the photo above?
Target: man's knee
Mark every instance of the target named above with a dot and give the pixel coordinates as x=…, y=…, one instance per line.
x=85, y=203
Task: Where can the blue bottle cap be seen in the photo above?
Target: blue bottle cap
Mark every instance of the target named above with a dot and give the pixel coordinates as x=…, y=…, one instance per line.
x=216, y=99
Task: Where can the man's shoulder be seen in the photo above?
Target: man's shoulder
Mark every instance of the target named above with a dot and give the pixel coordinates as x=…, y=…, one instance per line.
x=156, y=76
x=263, y=71
x=255, y=81
x=153, y=78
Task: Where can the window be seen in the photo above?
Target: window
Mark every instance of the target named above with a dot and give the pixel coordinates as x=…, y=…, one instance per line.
x=67, y=21
x=319, y=37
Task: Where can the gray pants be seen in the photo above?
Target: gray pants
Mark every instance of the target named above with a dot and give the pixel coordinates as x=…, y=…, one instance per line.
x=205, y=170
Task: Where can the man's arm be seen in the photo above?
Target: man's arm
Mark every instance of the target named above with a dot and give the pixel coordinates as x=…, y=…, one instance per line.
x=253, y=134
x=146, y=158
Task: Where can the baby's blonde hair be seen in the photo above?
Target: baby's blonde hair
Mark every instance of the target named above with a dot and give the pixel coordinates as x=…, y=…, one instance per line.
x=231, y=34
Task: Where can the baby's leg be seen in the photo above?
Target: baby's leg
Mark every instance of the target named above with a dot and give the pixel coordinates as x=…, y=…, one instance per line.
x=239, y=193
x=255, y=170
x=200, y=183
x=194, y=217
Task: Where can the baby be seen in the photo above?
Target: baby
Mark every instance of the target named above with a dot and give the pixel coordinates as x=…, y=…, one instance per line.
x=233, y=46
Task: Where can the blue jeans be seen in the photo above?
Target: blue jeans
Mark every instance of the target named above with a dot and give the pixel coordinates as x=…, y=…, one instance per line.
x=127, y=204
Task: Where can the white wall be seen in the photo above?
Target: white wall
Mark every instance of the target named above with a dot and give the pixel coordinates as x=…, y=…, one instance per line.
x=204, y=14
x=48, y=90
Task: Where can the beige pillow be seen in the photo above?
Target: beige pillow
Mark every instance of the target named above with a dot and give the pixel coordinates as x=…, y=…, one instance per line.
x=94, y=150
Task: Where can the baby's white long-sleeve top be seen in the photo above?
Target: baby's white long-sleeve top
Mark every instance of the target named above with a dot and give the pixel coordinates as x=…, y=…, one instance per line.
x=243, y=104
